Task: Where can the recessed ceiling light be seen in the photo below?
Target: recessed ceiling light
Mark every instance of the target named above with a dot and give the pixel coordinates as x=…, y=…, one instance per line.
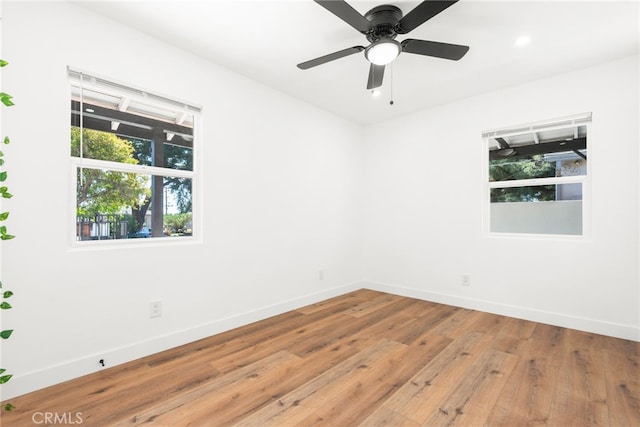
x=522, y=41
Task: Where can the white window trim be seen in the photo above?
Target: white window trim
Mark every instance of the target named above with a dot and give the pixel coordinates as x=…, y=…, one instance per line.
x=585, y=180
x=152, y=98
x=125, y=167
x=194, y=175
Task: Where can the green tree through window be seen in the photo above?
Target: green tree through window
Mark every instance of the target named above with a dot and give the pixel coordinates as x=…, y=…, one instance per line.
x=517, y=168
x=106, y=192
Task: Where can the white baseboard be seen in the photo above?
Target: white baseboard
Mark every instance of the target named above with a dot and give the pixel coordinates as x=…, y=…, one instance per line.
x=36, y=380
x=617, y=330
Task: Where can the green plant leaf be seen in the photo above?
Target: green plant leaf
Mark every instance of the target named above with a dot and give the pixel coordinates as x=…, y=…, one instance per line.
x=6, y=334
x=2, y=371
x=5, y=193
x=3, y=63
x=6, y=140
x=9, y=407
x=4, y=216
x=7, y=294
x=3, y=176
x=5, y=378
x=4, y=235
x=6, y=99
x=5, y=305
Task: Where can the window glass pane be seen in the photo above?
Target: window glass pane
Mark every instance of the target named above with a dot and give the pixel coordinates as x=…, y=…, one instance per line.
x=158, y=136
x=178, y=157
x=544, y=209
x=119, y=205
x=566, y=163
x=555, y=152
x=523, y=167
x=536, y=193
x=102, y=146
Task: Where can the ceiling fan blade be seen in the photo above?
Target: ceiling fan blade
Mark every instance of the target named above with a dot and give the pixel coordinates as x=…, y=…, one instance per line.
x=347, y=13
x=376, y=74
x=330, y=57
x=421, y=13
x=437, y=49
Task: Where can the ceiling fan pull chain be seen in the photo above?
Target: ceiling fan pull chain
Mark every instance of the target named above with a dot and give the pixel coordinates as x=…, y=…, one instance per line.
x=391, y=86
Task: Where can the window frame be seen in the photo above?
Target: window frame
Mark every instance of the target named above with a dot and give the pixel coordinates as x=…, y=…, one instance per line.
x=88, y=163
x=583, y=119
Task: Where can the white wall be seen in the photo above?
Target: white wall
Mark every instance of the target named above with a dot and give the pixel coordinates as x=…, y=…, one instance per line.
x=281, y=195
x=423, y=207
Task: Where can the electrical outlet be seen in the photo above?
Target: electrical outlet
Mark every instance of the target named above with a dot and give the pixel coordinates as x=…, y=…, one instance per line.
x=466, y=280
x=156, y=309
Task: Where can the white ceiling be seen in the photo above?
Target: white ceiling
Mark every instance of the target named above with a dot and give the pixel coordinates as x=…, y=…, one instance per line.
x=265, y=39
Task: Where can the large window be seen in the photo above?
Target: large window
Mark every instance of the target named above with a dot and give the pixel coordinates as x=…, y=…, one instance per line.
x=133, y=155
x=537, y=177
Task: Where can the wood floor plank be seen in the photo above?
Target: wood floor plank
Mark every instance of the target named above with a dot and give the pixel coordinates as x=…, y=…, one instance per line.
x=474, y=395
x=370, y=384
x=383, y=417
x=622, y=370
x=288, y=409
x=364, y=358
x=351, y=299
x=236, y=399
x=435, y=315
x=472, y=321
x=276, y=384
x=513, y=334
x=373, y=305
x=172, y=405
x=526, y=398
x=290, y=340
x=419, y=397
x=580, y=395
x=454, y=323
x=392, y=322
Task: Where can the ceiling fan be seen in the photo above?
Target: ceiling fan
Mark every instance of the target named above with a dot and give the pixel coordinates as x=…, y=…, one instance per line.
x=381, y=25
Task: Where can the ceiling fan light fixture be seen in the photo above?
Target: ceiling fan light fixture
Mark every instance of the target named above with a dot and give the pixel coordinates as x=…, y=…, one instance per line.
x=383, y=52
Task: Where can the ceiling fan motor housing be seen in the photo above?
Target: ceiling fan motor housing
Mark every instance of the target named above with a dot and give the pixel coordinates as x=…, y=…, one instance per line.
x=383, y=21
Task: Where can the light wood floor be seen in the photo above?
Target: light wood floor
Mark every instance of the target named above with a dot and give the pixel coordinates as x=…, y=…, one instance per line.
x=365, y=358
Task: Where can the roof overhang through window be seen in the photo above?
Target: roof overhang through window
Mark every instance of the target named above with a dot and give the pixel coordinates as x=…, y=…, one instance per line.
x=567, y=134
x=100, y=118
x=105, y=105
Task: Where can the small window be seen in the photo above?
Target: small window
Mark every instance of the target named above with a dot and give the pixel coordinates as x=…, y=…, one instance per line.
x=537, y=177
x=133, y=153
